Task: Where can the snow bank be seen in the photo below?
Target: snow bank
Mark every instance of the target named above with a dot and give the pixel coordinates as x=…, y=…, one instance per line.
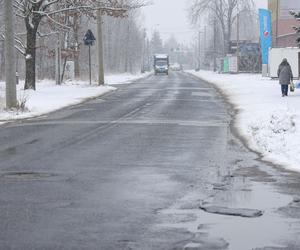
x=269, y=122
x=50, y=97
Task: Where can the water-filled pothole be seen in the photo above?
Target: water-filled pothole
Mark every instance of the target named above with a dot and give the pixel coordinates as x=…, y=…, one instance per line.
x=25, y=175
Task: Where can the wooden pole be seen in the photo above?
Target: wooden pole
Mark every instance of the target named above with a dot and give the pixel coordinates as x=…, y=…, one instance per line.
x=100, y=49
x=10, y=61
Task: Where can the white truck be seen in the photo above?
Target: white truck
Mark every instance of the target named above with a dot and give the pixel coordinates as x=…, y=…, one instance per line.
x=161, y=64
x=275, y=58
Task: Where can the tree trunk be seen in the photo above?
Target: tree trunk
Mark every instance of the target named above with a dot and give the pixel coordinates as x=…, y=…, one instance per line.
x=100, y=49
x=30, y=59
x=225, y=49
x=127, y=47
x=76, y=67
x=229, y=29
x=226, y=43
x=76, y=38
x=41, y=59
x=2, y=61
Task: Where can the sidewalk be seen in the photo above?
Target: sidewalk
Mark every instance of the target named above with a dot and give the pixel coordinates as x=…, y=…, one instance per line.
x=50, y=97
x=270, y=123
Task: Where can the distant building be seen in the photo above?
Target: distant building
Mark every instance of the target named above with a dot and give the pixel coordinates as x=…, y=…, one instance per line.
x=282, y=22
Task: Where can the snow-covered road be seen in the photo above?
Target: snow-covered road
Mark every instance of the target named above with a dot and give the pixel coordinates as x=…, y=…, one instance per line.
x=270, y=123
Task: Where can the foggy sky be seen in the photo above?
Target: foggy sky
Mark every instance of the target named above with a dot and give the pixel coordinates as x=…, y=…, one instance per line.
x=171, y=17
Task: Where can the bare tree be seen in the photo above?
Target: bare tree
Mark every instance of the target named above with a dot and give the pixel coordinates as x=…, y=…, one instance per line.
x=297, y=29
x=33, y=12
x=157, y=43
x=123, y=43
x=225, y=11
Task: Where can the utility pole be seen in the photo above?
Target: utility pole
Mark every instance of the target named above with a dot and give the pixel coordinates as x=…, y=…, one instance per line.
x=238, y=39
x=58, y=61
x=89, y=40
x=100, y=48
x=127, y=46
x=90, y=65
x=199, y=49
x=143, y=52
x=148, y=55
x=215, y=44
x=10, y=61
x=204, y=44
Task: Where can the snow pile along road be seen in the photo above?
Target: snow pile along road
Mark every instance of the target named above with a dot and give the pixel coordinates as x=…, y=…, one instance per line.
x=269, y=122
x=49, y=97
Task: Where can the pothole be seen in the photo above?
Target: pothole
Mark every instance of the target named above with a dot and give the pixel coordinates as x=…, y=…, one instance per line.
x=25, y=175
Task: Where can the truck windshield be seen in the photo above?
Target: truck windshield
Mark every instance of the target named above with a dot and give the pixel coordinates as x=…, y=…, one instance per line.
x=161, y=63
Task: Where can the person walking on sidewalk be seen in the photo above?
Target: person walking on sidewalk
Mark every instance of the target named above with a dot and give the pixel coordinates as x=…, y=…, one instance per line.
x=285, y=76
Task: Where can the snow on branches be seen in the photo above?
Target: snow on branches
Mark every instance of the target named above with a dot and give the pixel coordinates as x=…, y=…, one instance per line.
x=54, y=12
x=297, y=29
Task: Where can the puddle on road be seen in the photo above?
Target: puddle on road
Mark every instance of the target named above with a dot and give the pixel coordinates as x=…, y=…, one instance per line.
x=270, y=230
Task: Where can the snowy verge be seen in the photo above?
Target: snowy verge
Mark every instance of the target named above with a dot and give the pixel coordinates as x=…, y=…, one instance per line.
x=49, y=97
x=270, y=123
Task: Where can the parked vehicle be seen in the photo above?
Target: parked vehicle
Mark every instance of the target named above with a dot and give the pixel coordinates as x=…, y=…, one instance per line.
x=176, y=67
x=161, y=64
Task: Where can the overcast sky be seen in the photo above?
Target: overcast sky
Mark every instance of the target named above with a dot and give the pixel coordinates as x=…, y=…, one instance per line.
x=170, y=17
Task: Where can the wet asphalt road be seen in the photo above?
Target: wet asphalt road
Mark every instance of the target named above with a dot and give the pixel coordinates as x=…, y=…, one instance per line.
x=130, y=169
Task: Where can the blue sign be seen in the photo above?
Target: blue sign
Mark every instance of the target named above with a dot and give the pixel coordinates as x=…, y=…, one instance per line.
x=265, y=34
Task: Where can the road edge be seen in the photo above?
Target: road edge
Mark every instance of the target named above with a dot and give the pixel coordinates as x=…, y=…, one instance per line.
x=234, y=128
x=81, y=101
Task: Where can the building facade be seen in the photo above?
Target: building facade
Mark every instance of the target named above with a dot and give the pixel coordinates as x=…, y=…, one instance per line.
x=282, y=22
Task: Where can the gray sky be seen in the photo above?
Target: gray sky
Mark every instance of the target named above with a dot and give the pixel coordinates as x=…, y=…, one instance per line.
x=170, y=17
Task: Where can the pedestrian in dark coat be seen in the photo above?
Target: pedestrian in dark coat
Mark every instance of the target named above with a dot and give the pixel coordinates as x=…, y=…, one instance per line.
x=285, y=76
